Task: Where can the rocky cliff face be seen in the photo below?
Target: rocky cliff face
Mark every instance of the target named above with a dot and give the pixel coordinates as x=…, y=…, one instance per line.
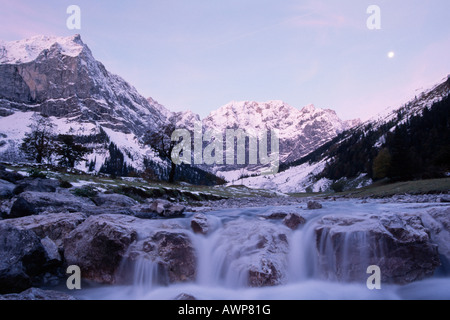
x=59, y=77
x=300, y=130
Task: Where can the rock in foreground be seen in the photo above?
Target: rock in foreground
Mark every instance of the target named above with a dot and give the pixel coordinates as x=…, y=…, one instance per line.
x=314, y=205
x=199, y=224
x=170, y=254
x=98, y=245
x=166, y=209
x=293, y=221
x=37, y=294
x=398, y=243
x=253, y=253
x=23, y=259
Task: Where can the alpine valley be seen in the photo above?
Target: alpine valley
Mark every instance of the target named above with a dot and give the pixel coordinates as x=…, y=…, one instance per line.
x=60, y=79
x=86, y=182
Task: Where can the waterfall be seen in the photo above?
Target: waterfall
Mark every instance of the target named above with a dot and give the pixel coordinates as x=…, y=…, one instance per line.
x=302, y=257
x=250, y=253
x=217, y=262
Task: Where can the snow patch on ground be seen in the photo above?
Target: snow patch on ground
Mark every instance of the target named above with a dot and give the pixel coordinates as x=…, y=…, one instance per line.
x=296, y=179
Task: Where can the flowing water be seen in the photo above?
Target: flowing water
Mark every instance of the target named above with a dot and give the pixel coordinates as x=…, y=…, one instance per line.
x=233, y=243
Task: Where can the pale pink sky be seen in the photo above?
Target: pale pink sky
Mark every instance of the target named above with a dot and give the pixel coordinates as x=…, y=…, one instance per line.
x=201, y=54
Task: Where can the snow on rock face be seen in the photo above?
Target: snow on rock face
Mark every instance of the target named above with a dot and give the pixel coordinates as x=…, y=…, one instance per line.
x=300, y=131
x=23, y=51
x=60, y=78
x=271, y=115
x=321, y=124
x=415, y=106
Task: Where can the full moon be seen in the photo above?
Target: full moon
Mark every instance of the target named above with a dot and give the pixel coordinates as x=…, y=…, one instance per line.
x=391, y=54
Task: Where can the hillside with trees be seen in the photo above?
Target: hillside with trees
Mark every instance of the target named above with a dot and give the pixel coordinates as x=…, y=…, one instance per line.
x=417, y=147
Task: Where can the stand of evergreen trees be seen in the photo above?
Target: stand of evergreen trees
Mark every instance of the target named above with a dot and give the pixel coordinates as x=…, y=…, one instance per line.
x=418, y=148
x=115, y=165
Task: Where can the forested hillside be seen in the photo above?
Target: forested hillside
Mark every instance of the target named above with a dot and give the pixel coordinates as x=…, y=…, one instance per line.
x=417, y=147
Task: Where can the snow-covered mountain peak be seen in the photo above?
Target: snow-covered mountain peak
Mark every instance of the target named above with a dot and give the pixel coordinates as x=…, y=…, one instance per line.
x=27, y=50
x=272, y=114
x=300, y=130
x=309, y=109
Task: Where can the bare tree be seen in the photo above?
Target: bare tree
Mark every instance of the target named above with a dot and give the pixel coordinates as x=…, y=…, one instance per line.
x=38, y=144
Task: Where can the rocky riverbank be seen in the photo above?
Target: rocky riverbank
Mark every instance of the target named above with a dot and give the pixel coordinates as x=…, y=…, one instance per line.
x=45, y=228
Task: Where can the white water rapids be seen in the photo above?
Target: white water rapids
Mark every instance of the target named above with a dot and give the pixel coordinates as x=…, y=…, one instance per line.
x=233, y=244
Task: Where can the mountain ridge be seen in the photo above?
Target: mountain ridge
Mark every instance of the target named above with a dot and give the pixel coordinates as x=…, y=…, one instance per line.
x=59, y=77
x=347, y=160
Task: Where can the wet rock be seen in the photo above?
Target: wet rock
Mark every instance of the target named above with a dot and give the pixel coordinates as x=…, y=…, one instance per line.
x=63, y=201
x=10, y=176
x=37, y=294
x=51, y=251
x=438, y=222
x=444, y=199
x=398, y=243
x=143, y=213
x=99, y=244
x=264, y=275
x=255, y=253
x=293, y=221
x=276, y=216
x=171, y=253
x=199, y=224
x=166, y=209
x=314, y=205
x=114, y=200
x=20, y=208
x=55, y=226
x=95, y=211
x=184, y=296
x=176, y=253
x=6, y=189
x=36, y=185
x=159, y=207
x=58, y=202
x=22, y=259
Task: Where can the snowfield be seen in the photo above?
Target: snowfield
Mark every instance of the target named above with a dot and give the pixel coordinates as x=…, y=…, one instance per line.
x=296, y=179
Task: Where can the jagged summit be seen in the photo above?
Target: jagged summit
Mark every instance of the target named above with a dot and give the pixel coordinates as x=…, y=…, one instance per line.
x=300, y=130
x=27, y=50
x=309, y=108
x=58, y=76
